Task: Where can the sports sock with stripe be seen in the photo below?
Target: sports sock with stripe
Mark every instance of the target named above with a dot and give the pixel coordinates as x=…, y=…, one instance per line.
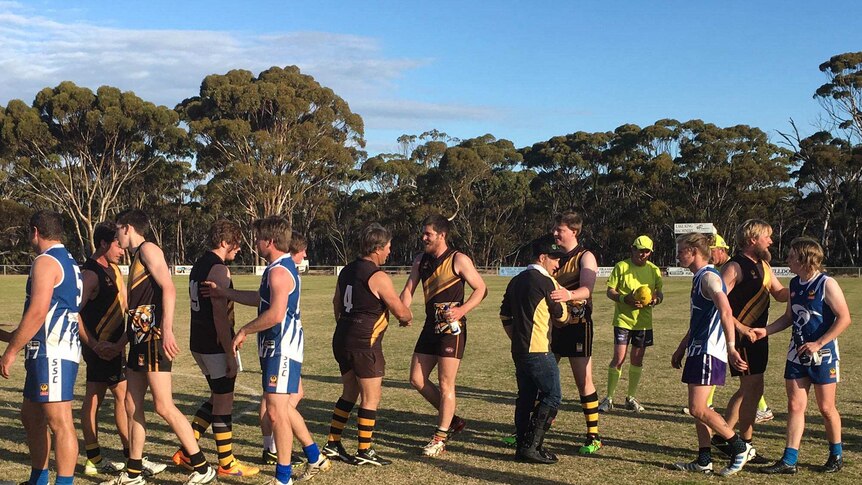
x=199, y=462
x=94, y=453
x=134, y=467
x=340, y=415
x=365, y=426
x=590, y=406
x=223, y=431
x=202, y=420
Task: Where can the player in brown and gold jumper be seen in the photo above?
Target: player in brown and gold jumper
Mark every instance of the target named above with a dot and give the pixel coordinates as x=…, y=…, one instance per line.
x=750, y=282
x=443, y=272
x=103, y=311
x=151, y=299
x=577, y=276
x=363, y=298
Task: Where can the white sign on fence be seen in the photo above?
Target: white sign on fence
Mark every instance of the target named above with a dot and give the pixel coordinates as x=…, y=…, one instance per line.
x=604, y=271
x=182, y=269
x=677, y=271
x=124, y=269
x=686, y=227
x=510, y=270
x=258, y=270
x=782, y=272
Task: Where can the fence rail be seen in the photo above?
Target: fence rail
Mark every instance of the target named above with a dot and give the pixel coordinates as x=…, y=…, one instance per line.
x=23, y=269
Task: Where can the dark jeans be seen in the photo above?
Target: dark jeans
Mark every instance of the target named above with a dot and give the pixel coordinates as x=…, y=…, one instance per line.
x=538, y=377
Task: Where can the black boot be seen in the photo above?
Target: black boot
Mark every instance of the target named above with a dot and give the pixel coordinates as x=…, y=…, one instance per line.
x=530, y=449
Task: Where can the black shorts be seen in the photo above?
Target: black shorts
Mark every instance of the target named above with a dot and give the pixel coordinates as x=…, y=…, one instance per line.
x=574, y=340
x=441, y=344
x=366, y=364
x=756, y=355
x=148, y=356
x=110, y=372
x=637, y=338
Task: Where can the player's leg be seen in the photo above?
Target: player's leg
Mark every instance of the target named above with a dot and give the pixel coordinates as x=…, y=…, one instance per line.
x=370, y=391
x=163, y=402
x=545, y=373
x=136, y=387
x=825, y=394
x=797, y=402
x=317, y=462
x=58, y=416
x=38, y=440
x=739, y=449
x=278, y=412
x=121, y=418
x=582, y=370
x=340, y=415
x=621, y=338
x=639, y=345
x=421, y=366
x=94, y=394
x=752, y=389
x=222, y=398
x=698, y=396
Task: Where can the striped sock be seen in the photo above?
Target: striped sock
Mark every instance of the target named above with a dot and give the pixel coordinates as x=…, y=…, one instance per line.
x=199, y=462
x=223, y=431
x=365, y=426
x=339, y=419
x=202, y=420
x=590, y=406
x=441, y=433
x=134, y=467
x=94, y=453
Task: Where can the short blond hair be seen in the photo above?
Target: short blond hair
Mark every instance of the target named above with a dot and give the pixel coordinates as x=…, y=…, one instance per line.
x=749, y=230
x=809, y=253
x=697, y=241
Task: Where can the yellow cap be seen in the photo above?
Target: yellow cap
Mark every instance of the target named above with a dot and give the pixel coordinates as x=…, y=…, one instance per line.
x=719, y=243
x=642, y=242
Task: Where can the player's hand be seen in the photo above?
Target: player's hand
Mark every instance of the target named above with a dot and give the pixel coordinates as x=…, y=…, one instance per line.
x=405, y=323
x=749, y=334
x=757, y=334
x=5, y=336
x=809, y=348
x=169, y=344
x=209, y=289
x=676, y=358
x=105, y=350
x=238, y=340
x=655, y=301
x=6, y=363
x=630, y=301
x=455, y=314
x=231, y=366
x=561, y=295
x=736, y=360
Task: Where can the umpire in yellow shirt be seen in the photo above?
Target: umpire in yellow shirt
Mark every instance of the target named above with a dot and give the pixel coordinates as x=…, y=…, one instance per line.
x=632, y=318
x=527, y=312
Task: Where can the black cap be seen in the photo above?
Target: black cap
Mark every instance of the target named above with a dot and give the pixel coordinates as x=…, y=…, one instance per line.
x=546, y=245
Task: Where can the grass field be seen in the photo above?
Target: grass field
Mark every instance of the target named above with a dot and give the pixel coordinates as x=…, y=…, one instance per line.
x=637, y=447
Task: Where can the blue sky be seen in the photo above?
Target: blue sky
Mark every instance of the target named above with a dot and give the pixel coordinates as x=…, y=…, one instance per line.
x=524, y=71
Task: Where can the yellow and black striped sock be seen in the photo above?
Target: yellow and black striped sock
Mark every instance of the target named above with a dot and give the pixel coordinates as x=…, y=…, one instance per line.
x=365, y=426
x=590, y=405
x=94, y=453
x=339, y=419
x=134, y=467
x=223, y=431
x=202, y=420
x=441, y=433
x=199, y=462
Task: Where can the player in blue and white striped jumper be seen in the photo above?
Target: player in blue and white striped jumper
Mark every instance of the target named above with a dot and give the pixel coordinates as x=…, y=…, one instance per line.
x=709, y=344
x=817, y=314
x=49, y=335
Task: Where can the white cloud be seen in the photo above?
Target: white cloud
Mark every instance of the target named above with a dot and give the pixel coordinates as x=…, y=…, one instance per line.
x=166, y=66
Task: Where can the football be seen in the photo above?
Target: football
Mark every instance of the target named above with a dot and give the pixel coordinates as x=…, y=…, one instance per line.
x=643, y=295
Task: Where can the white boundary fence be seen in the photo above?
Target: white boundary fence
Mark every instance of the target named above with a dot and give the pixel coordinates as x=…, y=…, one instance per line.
x=604, y=271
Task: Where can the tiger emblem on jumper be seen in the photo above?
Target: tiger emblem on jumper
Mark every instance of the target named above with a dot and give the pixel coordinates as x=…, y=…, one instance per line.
x=143, y=325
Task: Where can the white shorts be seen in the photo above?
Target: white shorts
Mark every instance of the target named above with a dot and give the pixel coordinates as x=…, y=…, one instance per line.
x=212, y=365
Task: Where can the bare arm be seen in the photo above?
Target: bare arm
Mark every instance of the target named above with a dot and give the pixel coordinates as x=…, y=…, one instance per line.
x=281, y=285
x=464, y=268
x=777, y=290
x=244, y=297
x=711, y=288
x=220, y=275
x=410, y=286
x=381, y=285
x=835, y=299
x=336, y=302
x=46, y=273
x=586, y=281
x=90, y=289
x=154, y=259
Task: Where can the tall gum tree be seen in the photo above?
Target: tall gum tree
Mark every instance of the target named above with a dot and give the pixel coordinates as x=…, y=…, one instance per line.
x=76, y=151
